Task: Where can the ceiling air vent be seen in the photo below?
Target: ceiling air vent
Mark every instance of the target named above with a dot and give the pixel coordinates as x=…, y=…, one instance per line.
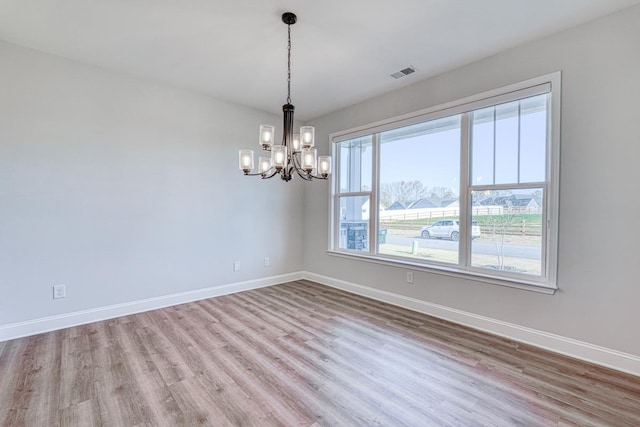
x=402, y=73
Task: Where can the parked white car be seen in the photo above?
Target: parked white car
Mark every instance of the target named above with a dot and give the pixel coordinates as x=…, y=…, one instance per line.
x=448, y=229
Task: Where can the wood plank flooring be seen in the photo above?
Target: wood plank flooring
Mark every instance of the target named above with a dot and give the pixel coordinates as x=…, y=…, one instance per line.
x=299, y=354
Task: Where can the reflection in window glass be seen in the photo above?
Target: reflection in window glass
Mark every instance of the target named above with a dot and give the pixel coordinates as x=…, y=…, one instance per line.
x=482, y=147
x=506, y=143
x=355, y=165
x=533, y=139
x=354, y=223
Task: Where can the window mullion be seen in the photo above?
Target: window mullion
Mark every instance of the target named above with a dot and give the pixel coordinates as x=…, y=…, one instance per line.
x=374, y=205
x=507, y=186
x=493, y=181
x=545, y=231
x=464, y=245
x=519, y=137
x=354, y=193
x=334, y=234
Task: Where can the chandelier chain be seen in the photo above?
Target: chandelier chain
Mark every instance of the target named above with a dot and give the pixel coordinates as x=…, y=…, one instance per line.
x=289, y=65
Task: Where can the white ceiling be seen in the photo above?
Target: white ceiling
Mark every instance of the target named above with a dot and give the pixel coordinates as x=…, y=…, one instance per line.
x=343, y=50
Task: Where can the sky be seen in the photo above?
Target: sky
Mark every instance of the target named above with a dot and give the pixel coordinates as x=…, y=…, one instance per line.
x=433, y=157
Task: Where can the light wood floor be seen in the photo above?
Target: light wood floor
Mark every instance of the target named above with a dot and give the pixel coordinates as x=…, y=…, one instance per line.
x=299, y=354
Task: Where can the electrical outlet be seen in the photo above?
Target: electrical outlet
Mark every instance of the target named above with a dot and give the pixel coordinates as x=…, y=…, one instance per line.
x=409, y=276
x=59, y=291
x=236, y=266
x=267, y=261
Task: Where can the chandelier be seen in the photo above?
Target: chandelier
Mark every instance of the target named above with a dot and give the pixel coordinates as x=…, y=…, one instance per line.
x=296, y=154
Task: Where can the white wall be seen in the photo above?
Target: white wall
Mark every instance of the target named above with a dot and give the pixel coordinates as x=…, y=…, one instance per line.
x=599, y=234
x=124, y=189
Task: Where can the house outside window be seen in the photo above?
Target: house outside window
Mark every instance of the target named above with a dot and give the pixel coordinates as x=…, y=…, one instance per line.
x=468, y=188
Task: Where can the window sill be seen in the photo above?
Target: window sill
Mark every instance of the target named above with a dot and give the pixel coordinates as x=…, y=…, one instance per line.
x=449, y=271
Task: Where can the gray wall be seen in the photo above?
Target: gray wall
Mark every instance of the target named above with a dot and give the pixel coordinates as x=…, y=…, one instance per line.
x=123, y=189
x=600, y=147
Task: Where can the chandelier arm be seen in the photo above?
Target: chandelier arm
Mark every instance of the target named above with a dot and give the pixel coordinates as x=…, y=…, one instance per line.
x=265, y=176
x=296, y=164
x=318, y=177
x=307, y=176
x=258, y=174
x=301, y=172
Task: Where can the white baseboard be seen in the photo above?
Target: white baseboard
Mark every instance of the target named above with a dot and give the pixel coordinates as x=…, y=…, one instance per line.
x=52, y=323
x=578, y=349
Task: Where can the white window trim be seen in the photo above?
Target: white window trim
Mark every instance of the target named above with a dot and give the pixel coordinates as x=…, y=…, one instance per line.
x=550, y=83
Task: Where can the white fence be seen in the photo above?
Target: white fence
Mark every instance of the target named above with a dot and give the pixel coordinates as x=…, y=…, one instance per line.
x=432, y=214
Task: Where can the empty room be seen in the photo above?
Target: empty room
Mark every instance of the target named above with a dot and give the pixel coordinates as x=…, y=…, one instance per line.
x=337, y=213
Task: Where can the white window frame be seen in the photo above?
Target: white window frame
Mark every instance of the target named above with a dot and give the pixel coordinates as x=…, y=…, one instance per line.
x=547, y=283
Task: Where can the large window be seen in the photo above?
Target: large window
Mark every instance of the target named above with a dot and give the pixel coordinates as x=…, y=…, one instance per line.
x=468, y=188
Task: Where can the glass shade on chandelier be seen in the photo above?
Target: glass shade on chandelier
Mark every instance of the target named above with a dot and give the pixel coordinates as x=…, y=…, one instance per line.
x=296, y=154
x=307, y=135
x=264, y=164
x=279, y=156
x=267, y=134
x=246, y=160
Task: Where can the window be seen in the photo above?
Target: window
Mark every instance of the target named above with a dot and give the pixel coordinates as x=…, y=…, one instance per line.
x=467, y=188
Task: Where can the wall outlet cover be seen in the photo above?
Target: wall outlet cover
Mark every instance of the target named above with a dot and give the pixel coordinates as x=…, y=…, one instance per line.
x=59, y=291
